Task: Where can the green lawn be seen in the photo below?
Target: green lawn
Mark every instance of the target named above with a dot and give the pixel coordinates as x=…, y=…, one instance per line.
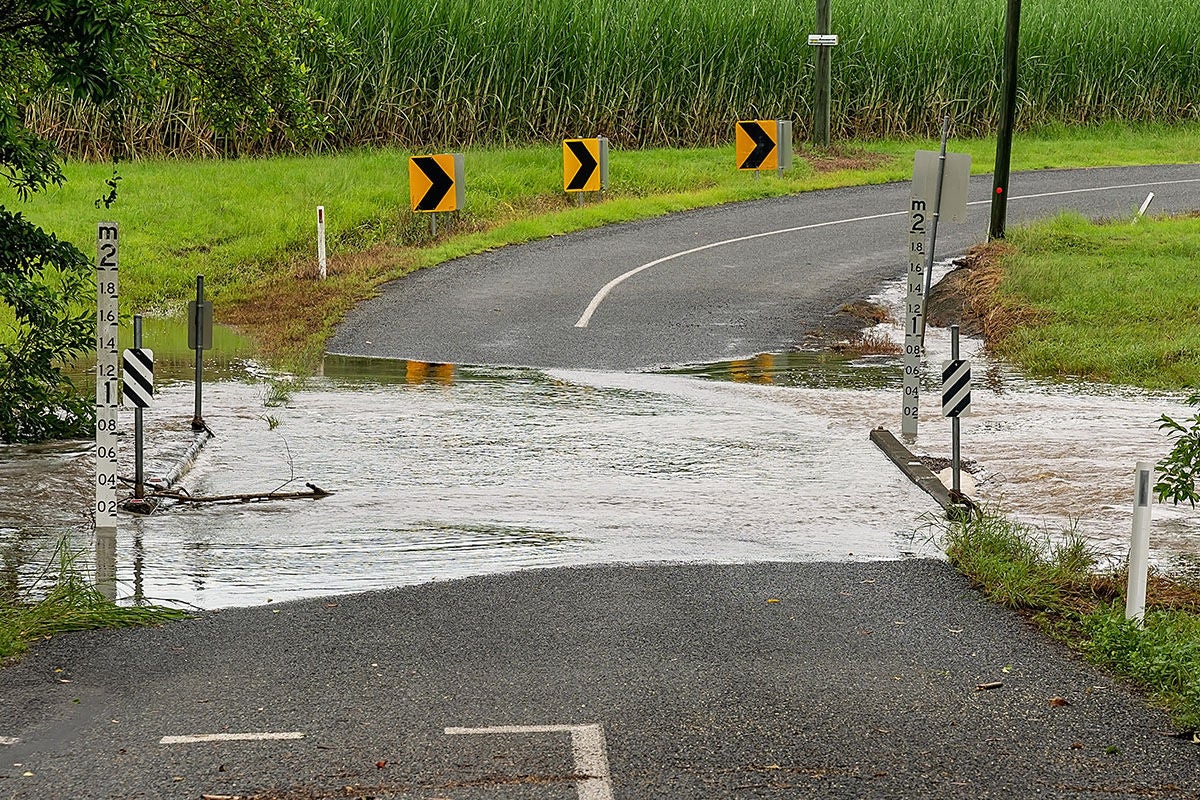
x=1116, y=302
x=249, y=225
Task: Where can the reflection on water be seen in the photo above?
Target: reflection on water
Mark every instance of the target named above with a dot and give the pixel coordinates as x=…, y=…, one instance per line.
x=443, y=471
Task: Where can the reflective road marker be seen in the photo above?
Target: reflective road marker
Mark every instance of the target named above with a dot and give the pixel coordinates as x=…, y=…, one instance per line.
x=591, y=759
x=608, y=287
x=230, y=737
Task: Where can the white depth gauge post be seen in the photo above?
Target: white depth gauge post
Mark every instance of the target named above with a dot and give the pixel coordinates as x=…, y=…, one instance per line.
x=108, y=395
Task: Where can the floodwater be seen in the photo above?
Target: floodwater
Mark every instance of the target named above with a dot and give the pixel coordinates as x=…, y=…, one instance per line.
x=443, y=471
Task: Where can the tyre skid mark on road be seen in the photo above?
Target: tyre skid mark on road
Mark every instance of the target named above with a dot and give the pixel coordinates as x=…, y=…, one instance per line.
x=586, y=318
x=203, y=738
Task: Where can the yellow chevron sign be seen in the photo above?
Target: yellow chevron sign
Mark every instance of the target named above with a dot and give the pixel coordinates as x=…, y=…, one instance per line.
x=435, y=183
x=585, y=164
x=755, y=142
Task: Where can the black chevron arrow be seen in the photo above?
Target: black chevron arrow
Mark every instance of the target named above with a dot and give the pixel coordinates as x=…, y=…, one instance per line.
x=763, y=145
x=587, y=166
x=441, y=183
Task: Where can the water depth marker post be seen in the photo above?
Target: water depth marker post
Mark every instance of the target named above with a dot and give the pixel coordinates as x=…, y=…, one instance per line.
x=914, y=311
x=108, y=397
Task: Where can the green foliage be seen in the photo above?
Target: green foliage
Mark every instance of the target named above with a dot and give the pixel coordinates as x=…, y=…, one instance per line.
x=1051, y=578
x=1177, y=470
x=239, y=62
x=650, y=73
x=41, y=279
x=1164, y=656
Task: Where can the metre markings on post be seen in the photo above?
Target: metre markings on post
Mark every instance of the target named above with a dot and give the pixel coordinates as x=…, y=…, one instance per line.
x=591, y=758
x=107, y=397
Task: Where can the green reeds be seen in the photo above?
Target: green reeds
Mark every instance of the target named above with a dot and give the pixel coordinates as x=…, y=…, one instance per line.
x=643, y=72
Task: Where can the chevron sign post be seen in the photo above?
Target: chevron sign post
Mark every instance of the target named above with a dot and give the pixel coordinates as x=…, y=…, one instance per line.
x=956, y=401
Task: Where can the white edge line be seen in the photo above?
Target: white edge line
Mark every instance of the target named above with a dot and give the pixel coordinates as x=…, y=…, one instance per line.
x=231, y=737
x=608, y=287
x=8, y=740
x=503, y=729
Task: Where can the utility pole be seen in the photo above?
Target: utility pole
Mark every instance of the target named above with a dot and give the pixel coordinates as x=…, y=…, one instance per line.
x=1008, y=111
x=824, y=77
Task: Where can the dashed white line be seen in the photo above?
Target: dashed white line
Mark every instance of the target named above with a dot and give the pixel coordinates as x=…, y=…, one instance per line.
x=591, y=759
x=231, y=737
x=8, y=740
x=608, y=287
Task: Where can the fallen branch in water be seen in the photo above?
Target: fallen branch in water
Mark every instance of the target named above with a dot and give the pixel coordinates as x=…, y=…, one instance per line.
x=316, y=493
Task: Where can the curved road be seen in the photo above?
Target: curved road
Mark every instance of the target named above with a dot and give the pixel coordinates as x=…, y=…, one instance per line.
x=789, y=265
x=648, y=682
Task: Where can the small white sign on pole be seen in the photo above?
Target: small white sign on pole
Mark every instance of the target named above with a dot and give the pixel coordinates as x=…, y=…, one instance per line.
x=321, y=240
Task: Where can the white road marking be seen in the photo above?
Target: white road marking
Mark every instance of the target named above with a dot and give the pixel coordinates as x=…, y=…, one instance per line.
x=231, y=737
x=608, y=287
x=591, y=759
x=8, y=740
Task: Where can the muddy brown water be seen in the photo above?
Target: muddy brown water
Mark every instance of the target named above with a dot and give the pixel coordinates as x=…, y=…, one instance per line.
x=444, y=471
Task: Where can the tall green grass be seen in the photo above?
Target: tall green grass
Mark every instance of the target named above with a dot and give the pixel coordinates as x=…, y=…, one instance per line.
x=447, y=73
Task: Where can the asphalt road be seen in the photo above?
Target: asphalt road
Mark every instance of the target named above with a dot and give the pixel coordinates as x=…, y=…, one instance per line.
x=520, y=305
x=681, y=682
x=615, y=683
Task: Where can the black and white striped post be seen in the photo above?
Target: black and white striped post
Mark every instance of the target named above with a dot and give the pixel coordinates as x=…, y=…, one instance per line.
x=956, y=401
x=137, y=390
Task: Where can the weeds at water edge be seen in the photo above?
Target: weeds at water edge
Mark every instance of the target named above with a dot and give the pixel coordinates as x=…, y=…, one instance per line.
x=69, y=603
x=1054, y=580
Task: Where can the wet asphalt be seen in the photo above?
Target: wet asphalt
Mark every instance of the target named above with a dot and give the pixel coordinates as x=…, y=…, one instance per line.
x=519, y=305
x=765, y=680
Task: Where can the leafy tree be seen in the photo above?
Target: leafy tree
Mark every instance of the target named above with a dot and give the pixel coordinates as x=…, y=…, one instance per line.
x=244, y=61
x=1179, y=468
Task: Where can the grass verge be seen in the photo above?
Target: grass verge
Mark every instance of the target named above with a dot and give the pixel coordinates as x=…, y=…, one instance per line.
x=1053, y=581
x=1112, y=301
x=249, y=225
x=72, y=603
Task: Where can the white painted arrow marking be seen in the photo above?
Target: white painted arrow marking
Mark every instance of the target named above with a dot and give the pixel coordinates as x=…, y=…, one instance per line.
x=591, y=759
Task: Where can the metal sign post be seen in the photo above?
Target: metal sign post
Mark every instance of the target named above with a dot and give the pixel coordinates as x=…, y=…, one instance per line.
x=199, y=339
x=956, y=402
x=1139, y=548
x=107, y=396
x=139, y=482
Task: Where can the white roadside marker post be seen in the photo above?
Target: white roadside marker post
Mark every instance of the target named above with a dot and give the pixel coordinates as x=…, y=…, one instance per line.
x=1139, y=548
x=321, y=241
x=1142, y=211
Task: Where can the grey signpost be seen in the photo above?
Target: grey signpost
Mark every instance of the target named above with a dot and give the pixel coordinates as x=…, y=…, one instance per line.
x=199, y=339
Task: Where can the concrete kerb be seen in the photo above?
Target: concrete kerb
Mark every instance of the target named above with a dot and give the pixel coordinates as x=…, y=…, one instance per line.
x=955, y=504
